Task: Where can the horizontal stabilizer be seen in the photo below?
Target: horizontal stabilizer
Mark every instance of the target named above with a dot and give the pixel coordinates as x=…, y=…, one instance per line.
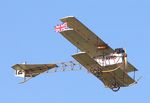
x=31, y=70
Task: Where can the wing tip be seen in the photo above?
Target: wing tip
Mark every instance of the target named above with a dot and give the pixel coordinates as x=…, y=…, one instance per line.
x=14, y=66
x=79, y=53
x=67, y=17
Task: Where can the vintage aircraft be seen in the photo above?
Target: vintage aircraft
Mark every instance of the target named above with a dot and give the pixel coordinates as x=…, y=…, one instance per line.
x=108, y=65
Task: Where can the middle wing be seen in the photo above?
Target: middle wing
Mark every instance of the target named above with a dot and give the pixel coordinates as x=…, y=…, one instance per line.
x=117, y=75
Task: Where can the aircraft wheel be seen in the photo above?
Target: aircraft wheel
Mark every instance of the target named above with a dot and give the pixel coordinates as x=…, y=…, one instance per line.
x=115, y=87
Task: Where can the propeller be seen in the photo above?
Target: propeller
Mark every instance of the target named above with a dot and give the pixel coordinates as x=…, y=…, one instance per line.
x=125, y=60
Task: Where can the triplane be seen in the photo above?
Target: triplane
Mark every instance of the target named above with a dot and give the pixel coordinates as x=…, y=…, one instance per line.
x=107, y=64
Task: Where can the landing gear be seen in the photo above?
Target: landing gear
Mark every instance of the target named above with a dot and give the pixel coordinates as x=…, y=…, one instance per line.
x=115, y=87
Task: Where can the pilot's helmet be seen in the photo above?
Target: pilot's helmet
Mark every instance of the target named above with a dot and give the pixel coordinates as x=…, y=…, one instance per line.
x=119, y=50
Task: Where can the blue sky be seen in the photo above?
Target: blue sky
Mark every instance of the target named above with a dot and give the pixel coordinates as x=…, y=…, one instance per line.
x=27, y=34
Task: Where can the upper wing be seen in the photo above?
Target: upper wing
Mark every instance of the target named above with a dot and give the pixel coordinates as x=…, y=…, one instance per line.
x=86, y=40
x=80, y=35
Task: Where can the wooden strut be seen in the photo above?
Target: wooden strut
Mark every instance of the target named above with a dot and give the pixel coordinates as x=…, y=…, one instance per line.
x=66, y=66
x=28, y=78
